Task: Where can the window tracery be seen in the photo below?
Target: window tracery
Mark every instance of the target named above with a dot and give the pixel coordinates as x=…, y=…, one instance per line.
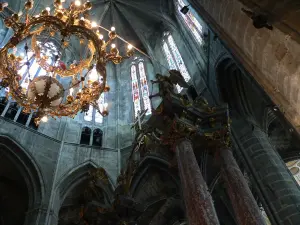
x=294, y=167
x=191, y=21
x=138, y=85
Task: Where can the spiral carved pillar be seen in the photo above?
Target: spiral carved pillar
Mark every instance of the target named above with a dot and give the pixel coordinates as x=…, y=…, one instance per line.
x=198, y=202
x=244, y=205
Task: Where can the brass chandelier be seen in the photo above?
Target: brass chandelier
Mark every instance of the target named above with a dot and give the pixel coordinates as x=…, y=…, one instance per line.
x=46, y=94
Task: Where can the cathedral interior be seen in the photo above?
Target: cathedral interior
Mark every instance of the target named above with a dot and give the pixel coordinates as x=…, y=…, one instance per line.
x=199, y=125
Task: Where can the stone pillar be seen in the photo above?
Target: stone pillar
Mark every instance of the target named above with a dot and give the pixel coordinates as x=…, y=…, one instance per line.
x=198, y=202
x=272, y=178
x=18, y=114
x=6, y=108
x=244, y=205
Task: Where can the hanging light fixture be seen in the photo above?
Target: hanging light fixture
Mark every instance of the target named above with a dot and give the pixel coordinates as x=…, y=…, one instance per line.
x=47, y=95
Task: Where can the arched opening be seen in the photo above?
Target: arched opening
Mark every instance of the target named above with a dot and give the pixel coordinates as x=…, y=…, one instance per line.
x=14, y=194
x=162, y=204
x=97, y=137
x=85, y=136
x=22, y=118
x=12, y=110
x=231, y=86
x=81, y=198
x=3, y=103
x=20, y=187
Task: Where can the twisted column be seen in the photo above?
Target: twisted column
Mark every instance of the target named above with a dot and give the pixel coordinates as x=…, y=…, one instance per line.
x=198, y=202
x=244, y=205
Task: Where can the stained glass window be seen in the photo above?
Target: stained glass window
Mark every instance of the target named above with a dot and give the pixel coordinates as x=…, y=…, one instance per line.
x=170, y=59
x=178, y=59
x=135, y=91
x=174, y=58
x=144, y=88
x=191, y=21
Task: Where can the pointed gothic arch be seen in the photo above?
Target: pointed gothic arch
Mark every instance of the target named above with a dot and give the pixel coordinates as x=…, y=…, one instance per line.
x=22, y=170
x=148, y=163
x=77, y=175
x=73, y=183
x=231, y=86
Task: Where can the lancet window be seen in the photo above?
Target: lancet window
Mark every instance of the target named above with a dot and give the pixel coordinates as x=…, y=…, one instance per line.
x=174, y=58
x=140, y=88
x=191, y=21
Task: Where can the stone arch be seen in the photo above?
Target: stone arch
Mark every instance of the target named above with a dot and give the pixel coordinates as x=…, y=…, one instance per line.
x=72, y=180
x=148, y=163
x=29, y=170
x=148, y=188
x=77, y=175
x=231, y=86
x=278, y=135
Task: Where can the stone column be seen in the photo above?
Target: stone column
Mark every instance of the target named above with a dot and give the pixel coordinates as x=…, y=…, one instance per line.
x=244, y=205
x=272, y=178
x=198, y=202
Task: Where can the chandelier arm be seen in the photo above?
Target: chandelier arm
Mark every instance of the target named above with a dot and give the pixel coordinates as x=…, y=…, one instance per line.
x=140, y=51
x=66, y=21
x=79, y=80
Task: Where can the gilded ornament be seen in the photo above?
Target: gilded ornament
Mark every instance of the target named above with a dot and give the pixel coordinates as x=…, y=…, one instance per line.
x=112, y=34
x=88, y=5
x=44, y=94
x=59, y=14
x=106, y=88
x=15, y=17
x=8, y=23
x=28, y=5
x=57, y=3
x=70, y=99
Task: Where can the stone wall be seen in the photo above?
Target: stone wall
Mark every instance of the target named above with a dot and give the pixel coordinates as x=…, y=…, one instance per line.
x=57, y=160
x=272, y=57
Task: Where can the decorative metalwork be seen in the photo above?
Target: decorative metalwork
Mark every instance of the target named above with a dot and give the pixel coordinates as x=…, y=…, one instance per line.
x=45, y=95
